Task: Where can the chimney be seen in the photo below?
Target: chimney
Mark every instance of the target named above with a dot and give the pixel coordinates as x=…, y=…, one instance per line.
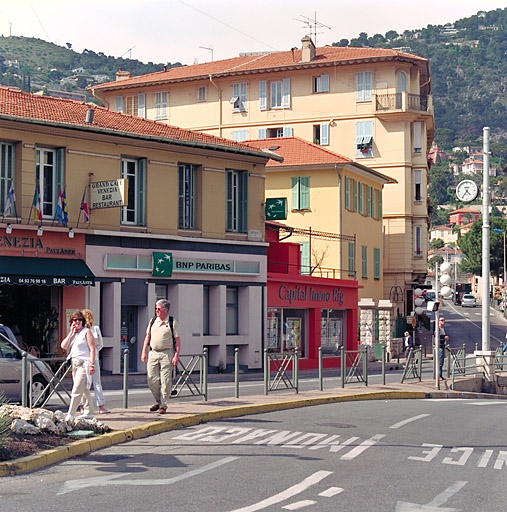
x=122, y=75
x=307, y=49
x=89, y=115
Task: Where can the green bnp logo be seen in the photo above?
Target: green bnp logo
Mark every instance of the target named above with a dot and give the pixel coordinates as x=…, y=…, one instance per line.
x=276, y=208
x=162, y=264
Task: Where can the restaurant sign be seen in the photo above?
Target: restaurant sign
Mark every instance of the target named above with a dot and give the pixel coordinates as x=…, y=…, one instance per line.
x=108, y=194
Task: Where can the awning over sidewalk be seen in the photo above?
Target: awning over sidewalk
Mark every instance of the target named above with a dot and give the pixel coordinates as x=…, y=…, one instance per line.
x=45, y=271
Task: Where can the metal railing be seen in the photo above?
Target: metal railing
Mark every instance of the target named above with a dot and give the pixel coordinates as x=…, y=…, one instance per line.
x=357, y=363
x=413, y=365
x=286, y=366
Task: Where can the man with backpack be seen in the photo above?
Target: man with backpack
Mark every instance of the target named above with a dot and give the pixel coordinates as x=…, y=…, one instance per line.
x=161, y=348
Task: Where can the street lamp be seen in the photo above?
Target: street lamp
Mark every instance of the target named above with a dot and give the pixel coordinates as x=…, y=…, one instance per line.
x=497, y=230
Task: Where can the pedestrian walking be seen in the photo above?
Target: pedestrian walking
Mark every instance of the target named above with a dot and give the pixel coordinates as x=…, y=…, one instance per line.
x=161, y=348
x=408, y=342
x=81, y=349
x=443, y=339
x=99, y=344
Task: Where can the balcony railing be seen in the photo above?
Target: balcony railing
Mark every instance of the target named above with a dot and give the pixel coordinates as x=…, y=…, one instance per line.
x=401, y=101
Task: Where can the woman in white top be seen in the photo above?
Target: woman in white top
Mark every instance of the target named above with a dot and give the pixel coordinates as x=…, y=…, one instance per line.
x=99, y=343
x=81, y=347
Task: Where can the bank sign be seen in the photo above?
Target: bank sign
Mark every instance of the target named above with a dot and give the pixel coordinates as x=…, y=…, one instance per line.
x=108, y=194
x=164, y=264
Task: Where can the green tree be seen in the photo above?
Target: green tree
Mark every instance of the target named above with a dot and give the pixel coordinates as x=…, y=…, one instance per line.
x=441, y=183
x=438, y=259
x=436, y=243
x=471, y=246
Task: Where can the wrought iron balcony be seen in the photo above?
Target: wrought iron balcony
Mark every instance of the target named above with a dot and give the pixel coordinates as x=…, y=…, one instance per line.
x=402, y=101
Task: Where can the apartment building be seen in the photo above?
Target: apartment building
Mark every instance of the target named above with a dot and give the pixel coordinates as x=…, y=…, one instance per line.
x=111, y=212
x=371, y=105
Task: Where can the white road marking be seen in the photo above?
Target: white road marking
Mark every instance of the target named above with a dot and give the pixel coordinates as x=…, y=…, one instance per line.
x=288, y=493
x=103, y=480
x=490, y=402
x=332, y=491
x=409, y=420
x=299, y=504
x=362, y=447
x=434, y=504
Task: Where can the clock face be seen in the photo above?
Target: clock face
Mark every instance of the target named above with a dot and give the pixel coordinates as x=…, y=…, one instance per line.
x=467, y=190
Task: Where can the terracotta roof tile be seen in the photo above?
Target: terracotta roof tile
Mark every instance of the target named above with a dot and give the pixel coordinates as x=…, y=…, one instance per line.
x=22, y=106
x=296, y=151
x=262, y=62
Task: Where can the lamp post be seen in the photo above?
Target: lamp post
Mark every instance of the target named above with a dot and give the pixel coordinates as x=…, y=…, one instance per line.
x=497, y=230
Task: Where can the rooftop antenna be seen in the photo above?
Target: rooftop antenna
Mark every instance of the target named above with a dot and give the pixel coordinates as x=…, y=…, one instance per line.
x=312, y=25
x=210, y=49
x=129, y=51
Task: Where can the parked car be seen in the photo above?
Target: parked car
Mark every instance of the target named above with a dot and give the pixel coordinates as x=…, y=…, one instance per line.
x=468, y=300
x=10, y=373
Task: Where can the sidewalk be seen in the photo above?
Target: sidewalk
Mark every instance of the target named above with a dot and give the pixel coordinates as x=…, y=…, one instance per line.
x=138, y=422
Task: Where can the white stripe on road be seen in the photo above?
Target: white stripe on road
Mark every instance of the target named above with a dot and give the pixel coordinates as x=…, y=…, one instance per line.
x=288, y=493
x=409, y=420
x=362, y=447
x=101, y=481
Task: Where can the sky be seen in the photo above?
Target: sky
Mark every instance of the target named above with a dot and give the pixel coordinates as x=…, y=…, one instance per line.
x=191, y=31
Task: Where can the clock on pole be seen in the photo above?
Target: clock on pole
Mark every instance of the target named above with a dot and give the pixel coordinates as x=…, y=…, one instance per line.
x=467, y=190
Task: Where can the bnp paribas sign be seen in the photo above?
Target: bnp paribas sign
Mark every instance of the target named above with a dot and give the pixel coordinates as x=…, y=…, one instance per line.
x=276, y=208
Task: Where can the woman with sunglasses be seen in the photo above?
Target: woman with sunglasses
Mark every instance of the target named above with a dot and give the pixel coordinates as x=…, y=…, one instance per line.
x=80, y=345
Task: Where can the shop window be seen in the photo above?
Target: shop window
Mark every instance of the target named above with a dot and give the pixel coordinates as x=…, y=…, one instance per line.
x=286, y=330
x=49, y=176
x=186, y=196
x=160, y=292
x=232, y=310
x=6, y=175
x=237, y=201
x=134, y=171
x=331, y=331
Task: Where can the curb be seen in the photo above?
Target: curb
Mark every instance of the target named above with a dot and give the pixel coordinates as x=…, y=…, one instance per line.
x=82, y=446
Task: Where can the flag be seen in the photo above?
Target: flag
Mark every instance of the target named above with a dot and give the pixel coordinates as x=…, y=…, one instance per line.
x=61, y=208
x=37, y=206
x=84, y=207
x=9, y=203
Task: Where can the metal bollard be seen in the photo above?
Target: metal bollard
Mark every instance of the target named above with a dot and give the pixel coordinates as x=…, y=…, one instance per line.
x=266, y=371
x=236, y=372
x=126, y=378
x=321, y=381
x=205, y=373
x=296, y=370
x=24, y=363
x=365, y=365
x=384, y=352
x=342, y=365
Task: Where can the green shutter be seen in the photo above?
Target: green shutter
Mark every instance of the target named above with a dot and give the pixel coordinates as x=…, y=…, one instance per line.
x=305, y=193
x=295, y=193
x=243, y=202
x=60, y=171
x=347, y=193
x=351, y=259
x=364, y=261
x=354, y=190
x=305, y=258
x=141, y=192
x=376, y=263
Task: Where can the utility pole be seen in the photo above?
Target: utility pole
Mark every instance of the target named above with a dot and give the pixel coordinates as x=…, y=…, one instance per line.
x=486, y=231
